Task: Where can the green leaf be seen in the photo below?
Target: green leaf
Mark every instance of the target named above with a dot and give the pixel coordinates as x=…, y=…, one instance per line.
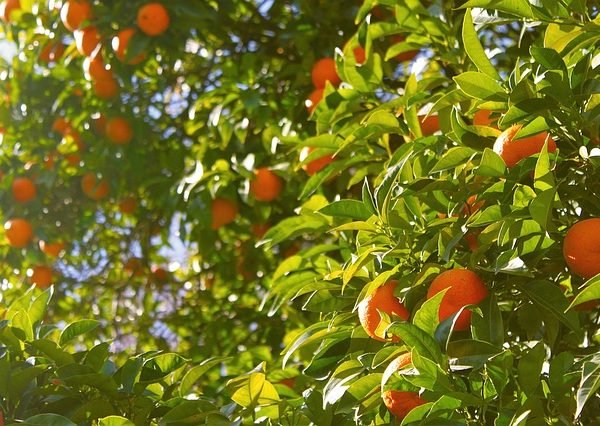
x=474, y=49
x=48, y=420
x=351, y=209
x=589, y=385
x=416, y=339
x=480, y=86
x=453, y=158
x=76, y=329
x=115, y=421
x=520, y=8
x=591, y=291
x=491, y=164
x=192, y=376
x=253, y=390
x=541, y=208
x=489, y=327
x=427, y=317
x=551, y=298
x=530, y=367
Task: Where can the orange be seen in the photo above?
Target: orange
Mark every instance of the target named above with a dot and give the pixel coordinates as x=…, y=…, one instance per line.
x=51, y=249
x=259, y=229
x=400, y=403
x=465, y=288
x=397, y=364
x=471, y=206
x=512, y=151
x=313, y=99
x=223, y=212
x=134, y=267
x=482, y=118
x=291, y=250
x=87, y=40
x=73, y=159
x=128, y=205
x=99, y=121
x=153, y=19
x=381, y=300
x=118, y=131
x=95, y=69
x=266, y=185
x=18, y=232
x=159, y=274
x=7, y=7
x=120, y=43
x=581, y=248
x=324, y=70
x=429, y=124
x=94, y=188
x=317, y=165
x=23, y=190
x=51, y=52
x=74, y=13
x=105, y=88
x=404, y=56
x=360, y=55
x=60, y=125
x=41, y=276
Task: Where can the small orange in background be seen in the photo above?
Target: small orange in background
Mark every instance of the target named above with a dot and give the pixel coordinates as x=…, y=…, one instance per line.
x=360, y=55
x=159, y=274
x=7, y=7
x=381, y=300
x=581, y=248
x=52, y=249
x=128, y=205
x=465, y=288
x=266, y=185
x=429, y=124
x=94, y=188
x=134, y=267
x=41, y=276
x=514, y=150
x=99, y=123
x=323, y=71
x=23, y=190
x=95, y=69
x=18, y=232
x=74, y=13
x=61, y=125
x=259, y=229
x=106, y=88
x=313, y=99
x=153, y=19
x=471, y=206
x=120, y=44
x=317, y=165
x=87, y=40
x=118, y=131
x=223, y=212
x=52, y=52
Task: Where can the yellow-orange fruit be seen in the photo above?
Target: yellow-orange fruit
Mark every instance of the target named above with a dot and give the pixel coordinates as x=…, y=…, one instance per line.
x=223, y=212
x=23, y=190
x=324, y=70
x=153, y=19
x=19, y=232
x=266, y=185
x=381, y=300
x=581, y=248
x=514, y=150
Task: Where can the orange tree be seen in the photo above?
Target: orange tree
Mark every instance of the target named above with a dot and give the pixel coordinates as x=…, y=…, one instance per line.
x=187, y=241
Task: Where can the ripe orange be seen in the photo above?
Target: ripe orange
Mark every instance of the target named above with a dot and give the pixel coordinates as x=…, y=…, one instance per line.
x=581, y=248
x=74, y=13
x=324, y=70
x=60, y=125
x=7, y=7
x=401, y=403
x=315, y=165
x=120, y=44
x=51, y=52
x=134, y=267
x=512, y=151
x=159, y=274
x=118, y=131
x=465, y=288
x=360, y=55
x=51, y=249
x=482, y=118
x=404, y=56
x=23, y=190
x=429, y=124
x=223, y=212
x=259, y=229
x=383, y=300
x=266, y=185
x=94, y=188
x=106, y=88
x=87, y=40
x=18, y=232
x=128, y=205
x=41, y=276
x=471, y=206
x=313, y=99
x=95, y=69
x=153, y=19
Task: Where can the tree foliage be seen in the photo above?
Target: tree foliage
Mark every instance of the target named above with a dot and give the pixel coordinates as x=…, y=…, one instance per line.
x=185, y=295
